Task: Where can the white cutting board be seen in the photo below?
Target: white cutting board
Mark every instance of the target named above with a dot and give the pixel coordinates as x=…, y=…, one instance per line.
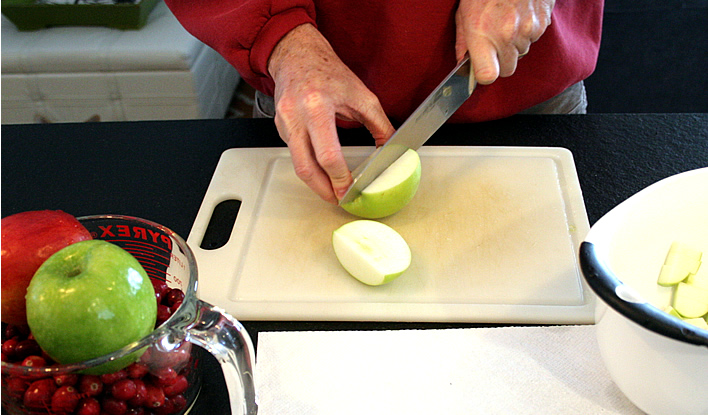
x=494, y=233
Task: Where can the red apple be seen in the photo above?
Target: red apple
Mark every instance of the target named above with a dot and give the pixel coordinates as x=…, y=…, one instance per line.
x=28, y=239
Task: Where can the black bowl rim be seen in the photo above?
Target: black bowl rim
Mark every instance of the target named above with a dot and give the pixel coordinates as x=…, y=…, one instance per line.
x=605, y=284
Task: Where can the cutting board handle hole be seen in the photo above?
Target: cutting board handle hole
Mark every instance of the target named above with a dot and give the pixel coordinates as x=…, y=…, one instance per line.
x=221, y=224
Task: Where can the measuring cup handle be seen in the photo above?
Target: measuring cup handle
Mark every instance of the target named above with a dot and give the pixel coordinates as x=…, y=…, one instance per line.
x=225, y=338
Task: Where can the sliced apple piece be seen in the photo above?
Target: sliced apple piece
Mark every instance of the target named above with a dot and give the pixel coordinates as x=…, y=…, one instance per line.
x=681, y=261
x=682, y=252
x=672, y=274
x=690, y=301
x=371, y=251
x=700, y=278
x=389, y=192
x=672, y=312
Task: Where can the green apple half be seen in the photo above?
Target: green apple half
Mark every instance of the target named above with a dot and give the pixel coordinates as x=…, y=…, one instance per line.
x=88, y=300
x=371, y=251
x=389, y=192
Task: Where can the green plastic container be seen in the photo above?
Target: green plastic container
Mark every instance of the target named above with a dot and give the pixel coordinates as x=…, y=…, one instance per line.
x=30, y=15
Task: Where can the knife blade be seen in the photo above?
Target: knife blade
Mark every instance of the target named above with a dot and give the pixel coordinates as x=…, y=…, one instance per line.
x=437, y=108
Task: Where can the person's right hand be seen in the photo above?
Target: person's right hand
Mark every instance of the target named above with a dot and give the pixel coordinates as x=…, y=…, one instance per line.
x=496, y=33
x=312, y=88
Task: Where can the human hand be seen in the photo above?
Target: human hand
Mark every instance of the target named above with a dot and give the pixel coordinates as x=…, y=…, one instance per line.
x=312, y=88
x=496, y=33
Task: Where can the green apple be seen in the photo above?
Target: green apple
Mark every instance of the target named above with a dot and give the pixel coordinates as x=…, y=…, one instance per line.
x=371, y=251
x=88, y=300
x=389, y=192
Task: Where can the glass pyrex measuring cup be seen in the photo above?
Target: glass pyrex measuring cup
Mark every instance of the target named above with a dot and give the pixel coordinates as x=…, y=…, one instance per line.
x=166, y=373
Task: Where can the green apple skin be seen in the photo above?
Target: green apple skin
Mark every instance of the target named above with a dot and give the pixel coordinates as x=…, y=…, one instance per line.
x=88, y=300
x=385, y=202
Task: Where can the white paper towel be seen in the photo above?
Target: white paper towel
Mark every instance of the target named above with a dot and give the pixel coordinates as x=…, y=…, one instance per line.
x=509, y=370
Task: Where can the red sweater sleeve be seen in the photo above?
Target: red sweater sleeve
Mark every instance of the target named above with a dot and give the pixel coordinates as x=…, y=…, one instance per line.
x=400, y=52
x=244, y=32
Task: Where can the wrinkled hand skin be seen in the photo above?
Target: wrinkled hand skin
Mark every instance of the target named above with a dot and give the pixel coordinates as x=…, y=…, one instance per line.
x=313, y=87
x=496, y=33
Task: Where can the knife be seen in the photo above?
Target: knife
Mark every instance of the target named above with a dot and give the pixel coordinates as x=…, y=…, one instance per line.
x=417, y=129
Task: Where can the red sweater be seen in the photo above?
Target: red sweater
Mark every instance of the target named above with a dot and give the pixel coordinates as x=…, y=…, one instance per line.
x=400, y=49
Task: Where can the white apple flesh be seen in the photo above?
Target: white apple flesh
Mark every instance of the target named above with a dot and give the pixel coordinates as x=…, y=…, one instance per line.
x=371, y=252
x=389, y=192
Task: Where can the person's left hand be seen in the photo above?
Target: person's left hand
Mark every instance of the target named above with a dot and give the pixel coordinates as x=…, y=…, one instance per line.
x=496, y=33
x=314, y=88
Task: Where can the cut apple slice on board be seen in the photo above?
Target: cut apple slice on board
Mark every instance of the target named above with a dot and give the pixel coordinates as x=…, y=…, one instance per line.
x=371, y=251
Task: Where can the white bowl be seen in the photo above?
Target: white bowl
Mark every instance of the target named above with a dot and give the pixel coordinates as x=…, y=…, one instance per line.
x=658, y=361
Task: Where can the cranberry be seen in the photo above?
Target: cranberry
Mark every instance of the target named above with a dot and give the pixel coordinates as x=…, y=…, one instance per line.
x=167, y=408
x=155, y=397
x=140, y=394
x=10, y=331
x=136, y=411
x=179, y=402
x=111, y=378
x=9, y=346
x=88, y=406
x=70, y=379
x=90, y=385
x=163, y=313
x=39, y=394
x=160, y=287
x=174, y=296
x=179, y=386
x=137, y=370
x=165, y=377
x=34, y=361
x=174, y=307
x=27, y=347
x=16, y=386
x=113, y=406
x=124, y=389
x=65, y=400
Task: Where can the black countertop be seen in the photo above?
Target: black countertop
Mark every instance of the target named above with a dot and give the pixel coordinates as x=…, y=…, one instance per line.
x=160, y=170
